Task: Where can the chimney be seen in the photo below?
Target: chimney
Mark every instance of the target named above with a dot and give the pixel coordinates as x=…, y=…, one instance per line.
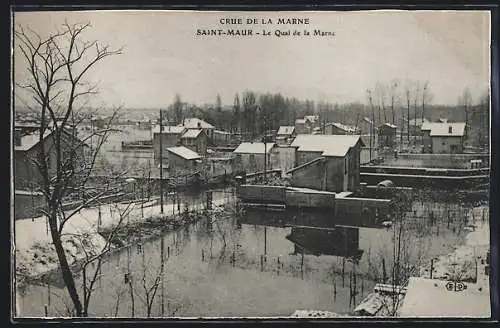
x=450, y=129
x=199, y=125
x=17, y=137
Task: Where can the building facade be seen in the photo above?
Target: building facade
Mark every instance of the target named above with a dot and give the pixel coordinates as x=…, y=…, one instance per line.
x=27, y=149
x=252, y=157
x=182, y=160
x=327, y=162
x=170, y=137
x=443, y=138
x=196, y=140
x=285, y=134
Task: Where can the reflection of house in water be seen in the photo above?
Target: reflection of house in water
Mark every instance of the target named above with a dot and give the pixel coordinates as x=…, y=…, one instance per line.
x=339, y=241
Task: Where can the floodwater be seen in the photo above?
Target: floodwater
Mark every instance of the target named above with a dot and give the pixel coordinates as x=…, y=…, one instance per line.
x=233, y=269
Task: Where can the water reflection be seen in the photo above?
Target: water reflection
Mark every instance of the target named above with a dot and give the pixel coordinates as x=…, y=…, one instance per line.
x=340, y=241
x=257, y=264
x=321, y=218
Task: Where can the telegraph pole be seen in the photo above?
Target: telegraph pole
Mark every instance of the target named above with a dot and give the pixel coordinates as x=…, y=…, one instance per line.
x=161, y=162
x=265, y=147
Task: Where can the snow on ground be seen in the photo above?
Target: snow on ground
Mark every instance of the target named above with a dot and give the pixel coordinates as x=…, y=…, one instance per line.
x=477, y=243
x=35, y=254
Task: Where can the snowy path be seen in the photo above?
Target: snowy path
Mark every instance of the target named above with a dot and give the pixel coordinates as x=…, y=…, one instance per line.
x=34, y=250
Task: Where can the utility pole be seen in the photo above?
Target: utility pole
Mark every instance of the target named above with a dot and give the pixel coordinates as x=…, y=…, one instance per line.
x=265, y=147
x=161, y=162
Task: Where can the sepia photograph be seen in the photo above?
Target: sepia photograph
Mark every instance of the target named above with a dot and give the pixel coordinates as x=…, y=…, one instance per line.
x=250, y=164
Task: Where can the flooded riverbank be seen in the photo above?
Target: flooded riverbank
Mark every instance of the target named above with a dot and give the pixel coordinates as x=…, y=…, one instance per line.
x=224, y=267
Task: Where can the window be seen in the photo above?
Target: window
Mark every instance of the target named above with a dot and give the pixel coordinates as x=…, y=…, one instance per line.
x=345, y=165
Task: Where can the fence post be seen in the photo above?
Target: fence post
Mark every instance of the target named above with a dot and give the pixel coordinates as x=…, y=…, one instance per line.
x=432, y=268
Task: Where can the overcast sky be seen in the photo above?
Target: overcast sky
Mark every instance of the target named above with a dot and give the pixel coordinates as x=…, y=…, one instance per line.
x=163, y=55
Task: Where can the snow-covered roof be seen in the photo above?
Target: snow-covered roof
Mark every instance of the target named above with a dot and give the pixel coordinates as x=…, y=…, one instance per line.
x=344, y=127
x=192, y=133
x=169, y=129
x=28, y=141
x=427, y=126
x=196, y=123
x=285, y=130
x=311, y=118
x=389, y=125
x=300, y=121
x=448, y=130
x=184, y=152
x=254, y=147
x=430, y=298
x=329, y=145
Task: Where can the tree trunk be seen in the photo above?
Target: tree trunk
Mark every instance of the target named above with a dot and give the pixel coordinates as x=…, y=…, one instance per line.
x=65, y=269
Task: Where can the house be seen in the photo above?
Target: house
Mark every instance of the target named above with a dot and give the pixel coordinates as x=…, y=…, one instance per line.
x=27, y=148
x=301, y=126
x=387, y=135
x=312, y=120
x=339, y=128
x=196, y=140
x=196, y=123
x=170, y=137
x=307, y=124
x=327, y=162
x=442, y=138
x=251, y=156
x=223, y=138
x=426, y=136
x=286, y=157
x=447, y=138
x=285, y=134
x=182, y=160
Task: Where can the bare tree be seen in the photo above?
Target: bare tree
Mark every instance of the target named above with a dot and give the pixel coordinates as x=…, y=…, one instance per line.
x=426, y=98
x=150, y=290
x=57, y=66
x=393, y=90
x=408, y=97
x=177, y=108
x=465, y=101
x=97, y=259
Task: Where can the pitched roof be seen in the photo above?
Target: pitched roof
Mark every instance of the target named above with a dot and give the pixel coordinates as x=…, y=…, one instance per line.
x=254, y=147
x=344, y=127
x=192, y=123
x=285, y=130
x=329, y=145
x=184, y=152
x=169, y=129
x=443, y=130
x=192, y=133
x=30, y=140
x=311, y=118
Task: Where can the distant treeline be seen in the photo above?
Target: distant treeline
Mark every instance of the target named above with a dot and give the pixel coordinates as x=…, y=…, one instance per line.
x=252, y=113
